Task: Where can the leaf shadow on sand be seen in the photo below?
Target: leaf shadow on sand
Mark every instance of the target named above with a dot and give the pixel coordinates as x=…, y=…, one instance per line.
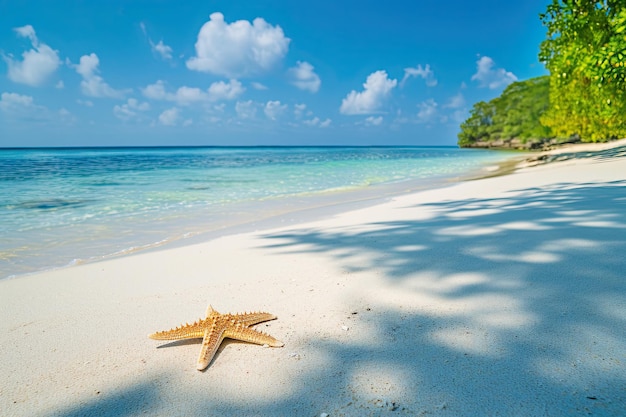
x=137, y=399
x=539, y=279
x=536, y=282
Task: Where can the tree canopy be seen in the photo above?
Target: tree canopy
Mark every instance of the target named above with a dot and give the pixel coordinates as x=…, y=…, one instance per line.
x=585, y=52
x=585, y=94
x=513, y=115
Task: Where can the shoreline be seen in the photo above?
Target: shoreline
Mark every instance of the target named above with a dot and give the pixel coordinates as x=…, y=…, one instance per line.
x=575, y=151
x=561, y=153
x=499, y=296
x=258, y=214
x=269, y=214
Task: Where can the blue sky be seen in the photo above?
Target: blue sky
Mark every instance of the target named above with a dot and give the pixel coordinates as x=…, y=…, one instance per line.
x=161, y=72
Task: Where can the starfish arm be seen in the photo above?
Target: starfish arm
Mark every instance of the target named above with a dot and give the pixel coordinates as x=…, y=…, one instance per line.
x=210, y=311
x=186, y=331
x=248, y=319
x=246, y=334
x=213, y=337
x=215, y=327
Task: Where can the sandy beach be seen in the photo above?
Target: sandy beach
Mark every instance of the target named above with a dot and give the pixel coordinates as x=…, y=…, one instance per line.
x=502, y=296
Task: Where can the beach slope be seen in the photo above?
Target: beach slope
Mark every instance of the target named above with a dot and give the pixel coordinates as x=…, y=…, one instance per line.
x=501, y=296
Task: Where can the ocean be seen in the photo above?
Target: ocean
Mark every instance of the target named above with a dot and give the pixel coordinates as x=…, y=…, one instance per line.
x=64, y=206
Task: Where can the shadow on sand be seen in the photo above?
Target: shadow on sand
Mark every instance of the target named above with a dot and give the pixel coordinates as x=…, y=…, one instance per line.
x=538, y=285
x=137, y=399
x=541, y=277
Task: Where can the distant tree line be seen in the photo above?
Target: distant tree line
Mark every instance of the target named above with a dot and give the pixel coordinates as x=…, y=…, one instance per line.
x=512, y=116
x=584, y=97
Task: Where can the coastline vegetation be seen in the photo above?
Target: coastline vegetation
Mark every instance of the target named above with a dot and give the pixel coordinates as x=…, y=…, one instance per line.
x=512, y=117
x=584, y=96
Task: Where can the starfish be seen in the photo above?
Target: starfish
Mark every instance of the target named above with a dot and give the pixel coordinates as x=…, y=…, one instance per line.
x=216, y=327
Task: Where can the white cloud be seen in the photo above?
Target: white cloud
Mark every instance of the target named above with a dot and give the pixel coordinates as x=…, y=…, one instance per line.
x=374, y=121
x=186, y=96
x=135, y=104
x=130, y=109
x=273, y=109
x=424, y=72
x=155, y=91
x=303, y=77
x=459, y=116
x=66, y=116
x=169, y=117
x=459, y=110
x=20, y=106
x=27, y=32
x=161, y=49
x=427, y=111
x=298, y=110
x=37, y=64
x=456, y=102
x=316, y=121
x=488, y=76
x=13, y=101
x=246, y=109
x=238, y=49
x=376, y=89
x=312, y=122
x=258, y=86
x=92, y=84
x=225, y=91
x=88, y=65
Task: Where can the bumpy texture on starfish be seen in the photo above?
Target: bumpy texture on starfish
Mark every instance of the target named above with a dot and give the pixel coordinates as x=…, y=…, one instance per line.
x=216, y=327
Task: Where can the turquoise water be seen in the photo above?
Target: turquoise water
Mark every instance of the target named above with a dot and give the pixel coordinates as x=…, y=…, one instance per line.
x=66, y=206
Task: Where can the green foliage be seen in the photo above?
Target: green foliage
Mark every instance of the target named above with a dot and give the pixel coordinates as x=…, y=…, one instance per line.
x=514, y=115
x=585, y=94
x=585, y=52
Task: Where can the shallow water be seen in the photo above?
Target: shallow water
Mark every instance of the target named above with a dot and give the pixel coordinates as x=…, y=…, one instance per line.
x=64, y=206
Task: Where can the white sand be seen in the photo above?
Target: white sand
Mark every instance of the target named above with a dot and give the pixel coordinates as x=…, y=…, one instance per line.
x=587, y=147
x=503, y=296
